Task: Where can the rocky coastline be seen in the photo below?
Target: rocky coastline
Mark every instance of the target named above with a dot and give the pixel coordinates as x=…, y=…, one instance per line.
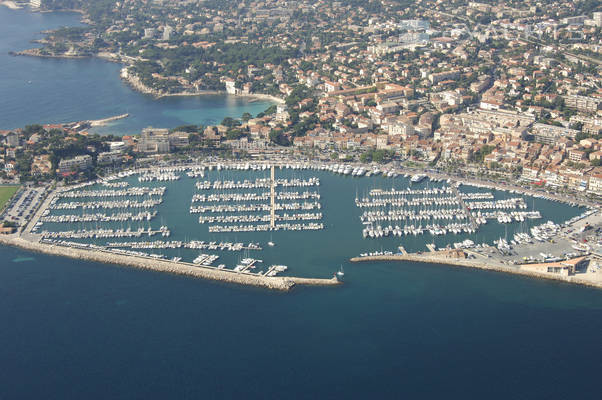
x=135, y=83
x=37, y=53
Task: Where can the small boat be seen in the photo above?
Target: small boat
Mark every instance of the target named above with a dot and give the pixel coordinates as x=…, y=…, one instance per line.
x=340, y=273
x=271, y=244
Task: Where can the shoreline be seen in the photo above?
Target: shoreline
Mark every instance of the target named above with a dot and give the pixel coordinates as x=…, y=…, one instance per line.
x=257, y=96
x=36, y=53
x=134, y=82
x=282, y=283
x=474, y=265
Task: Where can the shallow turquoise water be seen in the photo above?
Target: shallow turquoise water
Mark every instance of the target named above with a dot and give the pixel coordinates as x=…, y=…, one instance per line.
x=35, y=90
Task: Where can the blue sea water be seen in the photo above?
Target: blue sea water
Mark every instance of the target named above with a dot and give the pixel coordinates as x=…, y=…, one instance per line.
x=73, y=329
x=400, y=330
x=35, y=90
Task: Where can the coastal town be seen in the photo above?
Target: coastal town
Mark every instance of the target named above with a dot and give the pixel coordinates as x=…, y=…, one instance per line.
x=499, y=94
x=482, y=89
x=314, y=199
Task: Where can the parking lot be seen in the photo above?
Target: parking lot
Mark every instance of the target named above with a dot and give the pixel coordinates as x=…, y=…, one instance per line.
x=23, y=204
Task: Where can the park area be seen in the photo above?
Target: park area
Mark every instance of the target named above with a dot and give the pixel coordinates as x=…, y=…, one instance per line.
x=6, y=192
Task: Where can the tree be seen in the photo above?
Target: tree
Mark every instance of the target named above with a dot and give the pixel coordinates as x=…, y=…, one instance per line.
x=187, y=129
x=234, y=134
x=269, y=111
x=230, y=122
x=276, y=136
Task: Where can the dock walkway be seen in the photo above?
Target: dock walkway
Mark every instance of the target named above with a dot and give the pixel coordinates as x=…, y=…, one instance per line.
x=473, y=221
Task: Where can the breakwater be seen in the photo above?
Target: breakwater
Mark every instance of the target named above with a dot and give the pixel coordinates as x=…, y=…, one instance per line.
x=178, y=268
x=430, y=259
x=104, y=121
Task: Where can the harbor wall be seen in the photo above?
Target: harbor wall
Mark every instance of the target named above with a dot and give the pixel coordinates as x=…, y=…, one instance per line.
x=478, y=265
x=274, y=283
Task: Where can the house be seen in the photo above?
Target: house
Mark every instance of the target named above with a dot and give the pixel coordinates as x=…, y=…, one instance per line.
x=153, y=140
x=564, y=268
x=595, y=184
x=75, y=164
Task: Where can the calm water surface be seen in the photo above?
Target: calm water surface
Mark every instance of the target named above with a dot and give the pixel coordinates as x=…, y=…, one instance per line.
x=391, y=331
x=35, y=90
x=73, y=329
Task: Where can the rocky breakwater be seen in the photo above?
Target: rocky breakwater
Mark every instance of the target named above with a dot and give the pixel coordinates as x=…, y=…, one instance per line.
x=274, y=283
x=314, y=281
x=430, y=258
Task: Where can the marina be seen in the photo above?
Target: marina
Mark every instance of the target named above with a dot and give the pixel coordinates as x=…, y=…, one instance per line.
x=98, y=217
x=274, y=209
x=236, y=204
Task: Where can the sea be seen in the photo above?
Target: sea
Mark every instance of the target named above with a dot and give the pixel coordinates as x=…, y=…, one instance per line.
x=38, y=90
x=73, y=329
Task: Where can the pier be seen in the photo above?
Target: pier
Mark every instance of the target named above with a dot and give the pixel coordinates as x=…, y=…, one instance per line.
x=237, y=206
x=473, y=221
x=104, y=121
x=272, y=200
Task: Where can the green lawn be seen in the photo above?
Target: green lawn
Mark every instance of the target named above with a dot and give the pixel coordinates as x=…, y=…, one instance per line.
x=6, y=192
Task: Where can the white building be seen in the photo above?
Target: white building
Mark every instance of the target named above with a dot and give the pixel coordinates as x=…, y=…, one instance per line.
x=149, y=33
x=167, y=31
x=75, y=164
x=153, y=140
x=598, y=19
x=110, y=157
x=230, y=86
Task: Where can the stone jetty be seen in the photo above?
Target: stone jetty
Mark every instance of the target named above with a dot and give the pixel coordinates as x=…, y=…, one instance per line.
x=179, y=268
x=430, y=258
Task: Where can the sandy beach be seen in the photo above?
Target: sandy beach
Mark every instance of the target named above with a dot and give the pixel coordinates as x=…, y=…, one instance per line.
x=256, y=96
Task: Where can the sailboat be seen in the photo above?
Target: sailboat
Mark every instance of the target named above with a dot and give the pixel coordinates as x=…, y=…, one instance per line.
x=340, y=273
